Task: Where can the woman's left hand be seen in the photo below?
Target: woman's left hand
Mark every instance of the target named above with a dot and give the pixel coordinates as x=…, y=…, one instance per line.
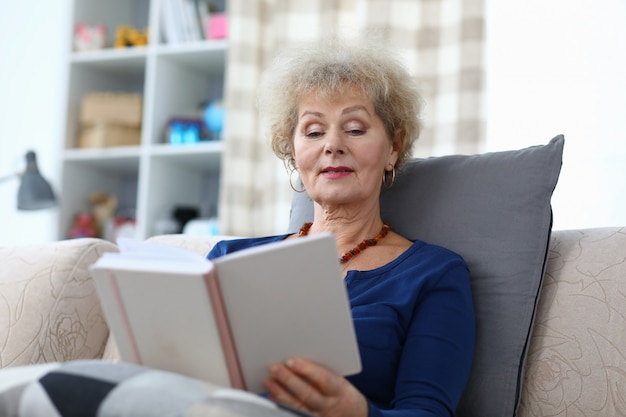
x=312, y=388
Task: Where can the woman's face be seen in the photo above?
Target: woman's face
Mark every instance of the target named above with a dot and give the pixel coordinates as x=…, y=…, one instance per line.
x=341, y=148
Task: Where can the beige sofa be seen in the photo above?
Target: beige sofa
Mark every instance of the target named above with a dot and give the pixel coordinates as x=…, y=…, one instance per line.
x=576, y=364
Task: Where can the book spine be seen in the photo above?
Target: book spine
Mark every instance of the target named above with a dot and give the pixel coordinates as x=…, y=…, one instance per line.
x=177, y=17
x=170, y=23
x=187, y=21
x=226, y=336
x=192, y=20
x=117, y=296
x=203, y=11
x=199, y=7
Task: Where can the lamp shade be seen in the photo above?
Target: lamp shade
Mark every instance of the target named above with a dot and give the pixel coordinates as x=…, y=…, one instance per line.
x=34, y=192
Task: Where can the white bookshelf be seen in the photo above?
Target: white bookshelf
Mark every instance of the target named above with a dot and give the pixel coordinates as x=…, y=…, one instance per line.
x=152, y=178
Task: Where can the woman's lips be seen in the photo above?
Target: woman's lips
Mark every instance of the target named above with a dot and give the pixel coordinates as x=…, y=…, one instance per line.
x=336, y=172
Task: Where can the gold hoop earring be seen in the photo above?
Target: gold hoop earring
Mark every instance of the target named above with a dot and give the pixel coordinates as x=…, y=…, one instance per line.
x=386, y=183
x=291, y=182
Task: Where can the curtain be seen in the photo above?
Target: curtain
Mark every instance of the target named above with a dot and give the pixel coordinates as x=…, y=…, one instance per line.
x=441, y=41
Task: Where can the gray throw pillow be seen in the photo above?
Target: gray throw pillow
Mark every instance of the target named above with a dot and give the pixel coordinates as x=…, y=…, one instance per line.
x=494, y=210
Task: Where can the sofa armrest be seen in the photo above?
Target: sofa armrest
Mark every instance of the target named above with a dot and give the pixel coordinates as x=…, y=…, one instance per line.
x=577, y=352
x=49, y=308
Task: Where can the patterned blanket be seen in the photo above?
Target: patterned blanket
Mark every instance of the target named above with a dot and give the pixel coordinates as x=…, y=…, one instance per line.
x=104, y=389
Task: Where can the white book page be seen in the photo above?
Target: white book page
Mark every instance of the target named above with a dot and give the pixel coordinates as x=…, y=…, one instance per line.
x=138, y=248
x=142, y=255
x=173, y=324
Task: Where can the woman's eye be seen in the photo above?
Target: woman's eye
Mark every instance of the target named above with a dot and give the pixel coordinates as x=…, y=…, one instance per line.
x=356, y=132
x=313, y=134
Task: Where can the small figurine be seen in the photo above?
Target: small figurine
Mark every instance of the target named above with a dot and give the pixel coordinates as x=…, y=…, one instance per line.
x=88, y=38
x=103, y=208
x=129, y=36
x=83, y=226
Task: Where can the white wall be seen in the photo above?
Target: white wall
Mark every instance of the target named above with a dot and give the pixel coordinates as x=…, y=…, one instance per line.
x=33, y=44
x=554, y=66
x=559, y=66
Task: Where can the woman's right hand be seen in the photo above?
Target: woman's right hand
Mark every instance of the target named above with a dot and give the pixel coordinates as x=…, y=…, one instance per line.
x=307, y=386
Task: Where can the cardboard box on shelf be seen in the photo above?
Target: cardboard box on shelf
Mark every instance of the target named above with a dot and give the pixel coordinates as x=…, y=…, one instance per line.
x=111, y=108
x=104, y=135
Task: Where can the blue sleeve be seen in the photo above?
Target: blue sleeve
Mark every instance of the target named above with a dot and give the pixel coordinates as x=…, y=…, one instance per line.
x=439, y=349
x=435, y=359
x=224, y=247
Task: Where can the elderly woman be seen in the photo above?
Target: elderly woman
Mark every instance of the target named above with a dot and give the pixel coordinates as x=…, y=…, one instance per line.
x=345, y=116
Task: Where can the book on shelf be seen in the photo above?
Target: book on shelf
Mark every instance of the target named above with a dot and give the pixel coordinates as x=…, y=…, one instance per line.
x=227, y=320
x=189, y=21
x=171, y=22
x=202, y=11
x=181, y=21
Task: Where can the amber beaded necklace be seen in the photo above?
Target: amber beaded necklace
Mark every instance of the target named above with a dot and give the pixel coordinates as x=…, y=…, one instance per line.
x=304, y=230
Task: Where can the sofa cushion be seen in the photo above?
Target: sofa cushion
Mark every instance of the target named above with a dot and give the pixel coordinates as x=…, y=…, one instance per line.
x=49, y=308
x=494, y=210
x=577, y=356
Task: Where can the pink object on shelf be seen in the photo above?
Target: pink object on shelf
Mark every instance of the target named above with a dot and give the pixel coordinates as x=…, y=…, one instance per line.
x=217, y=26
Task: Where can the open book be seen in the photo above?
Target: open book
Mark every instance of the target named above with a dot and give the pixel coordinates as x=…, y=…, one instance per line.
x=227, y=320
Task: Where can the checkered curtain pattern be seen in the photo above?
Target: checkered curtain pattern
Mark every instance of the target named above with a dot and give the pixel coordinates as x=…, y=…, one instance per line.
x=441, y=41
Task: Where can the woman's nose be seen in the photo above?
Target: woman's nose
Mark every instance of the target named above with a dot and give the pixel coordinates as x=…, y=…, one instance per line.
x=334, y=142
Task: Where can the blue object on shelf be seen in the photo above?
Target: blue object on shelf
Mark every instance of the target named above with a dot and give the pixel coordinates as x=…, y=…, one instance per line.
x=184, y=131
x=214, y=118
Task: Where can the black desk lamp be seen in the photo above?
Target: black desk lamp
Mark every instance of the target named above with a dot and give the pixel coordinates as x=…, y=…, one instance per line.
x=34, y=192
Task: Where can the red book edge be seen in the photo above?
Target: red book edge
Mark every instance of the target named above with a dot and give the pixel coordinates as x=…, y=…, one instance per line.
x=223, y=327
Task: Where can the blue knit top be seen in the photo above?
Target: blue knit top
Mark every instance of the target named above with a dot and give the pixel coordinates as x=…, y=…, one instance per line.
x=415, y=328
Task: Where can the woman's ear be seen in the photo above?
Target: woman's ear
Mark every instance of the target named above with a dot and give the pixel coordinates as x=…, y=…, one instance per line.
x=396, y=146
x=398, y=140
x=292, y=159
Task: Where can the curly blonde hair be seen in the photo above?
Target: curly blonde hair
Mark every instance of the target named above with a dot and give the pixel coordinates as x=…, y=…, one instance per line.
x=326, y=68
